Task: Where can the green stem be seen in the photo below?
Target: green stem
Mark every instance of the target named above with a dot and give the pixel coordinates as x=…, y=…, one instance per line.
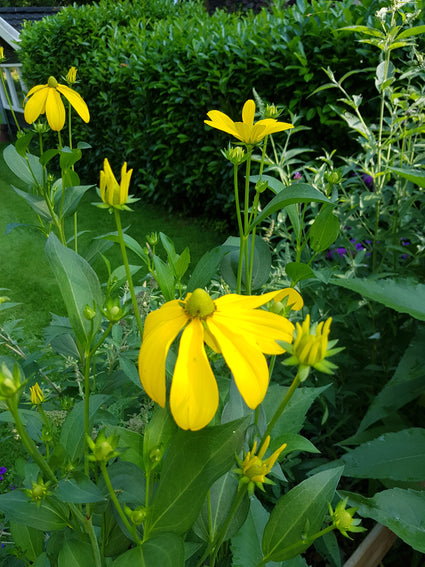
x=87, y=365
x=29, y=443
x=132, y=529
x=87, y=525
x=127, y=271
x=295, y=383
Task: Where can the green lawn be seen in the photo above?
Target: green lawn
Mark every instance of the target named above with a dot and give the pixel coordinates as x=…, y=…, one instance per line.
x=24, y=269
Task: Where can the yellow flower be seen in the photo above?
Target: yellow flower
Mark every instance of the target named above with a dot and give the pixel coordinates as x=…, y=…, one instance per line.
x=246, y=131
x=311, y=348
x=343, y=519
x=37, y=396
x=111, y=192
x=46, y=99
x=253, y=469
x=230, y=325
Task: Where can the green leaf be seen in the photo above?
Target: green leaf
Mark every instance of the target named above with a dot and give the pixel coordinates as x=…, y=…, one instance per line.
x=79, y=490
x=130, y=243
x=194, y=461
x=292, y=419
x=411, y=174
x=298, y=515
x=72, y=433
x=79, y=285
x=324, y=230
x=75, y=553
x=294, y=442
x=68, y=157
x=214, y=513
x=73, y=196
x=182, y=263
x=157, y=437
x=166, y=550
x=415, y=30
x=130, y=441
x=406, y=384
x=401, y=510
x=296, y=193
x=206, y=268
x=165, y=278
x=261, y=267
x=246, y=544
x=401, y=295
x=298, y=271
x=28, y=539
x=22, y=143
x=128, y=482
x=37, y=204
x=46, y=516
x=364, y=29
x=395, y=456
x=23, y=168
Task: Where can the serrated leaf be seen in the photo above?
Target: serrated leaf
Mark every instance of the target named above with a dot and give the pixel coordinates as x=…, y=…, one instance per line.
x=402, y=295
x=402, y=511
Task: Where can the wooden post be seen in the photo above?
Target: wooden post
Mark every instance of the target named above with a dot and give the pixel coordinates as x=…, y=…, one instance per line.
x=373, y=548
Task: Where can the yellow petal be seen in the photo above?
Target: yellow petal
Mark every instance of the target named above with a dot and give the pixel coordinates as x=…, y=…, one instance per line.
x=253, y=301
x=248, y=112
x=36, y=105
x=76, y=101
x=153, y=354
x=35, y=89
x=170, y=311
x=221, y=121
x=262, y=327
x=248, y=365
x=194, y=392
x=55, y=110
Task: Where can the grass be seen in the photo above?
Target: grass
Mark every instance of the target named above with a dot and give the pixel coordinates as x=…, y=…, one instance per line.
x=24, y=269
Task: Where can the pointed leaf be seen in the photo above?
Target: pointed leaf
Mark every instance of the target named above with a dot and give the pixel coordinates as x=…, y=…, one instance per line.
x=296, y=193
x=29, y=169
x=47, y=516
x=37, y=204
x=165, y=278
x=324, y=230
x=75, y=553
x=206, y=268
x=166, y=550
x=298, y=515
x=29, y=540
x=401, y=295
x=193, y=462
x=79, y=285
x=80, y=490
x=411, y=174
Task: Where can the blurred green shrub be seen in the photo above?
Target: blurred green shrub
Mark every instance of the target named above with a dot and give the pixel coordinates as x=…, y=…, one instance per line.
x=151, y=70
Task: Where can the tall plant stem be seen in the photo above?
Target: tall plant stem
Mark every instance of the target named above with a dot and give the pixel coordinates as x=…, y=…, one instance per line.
x=295, y=383
x=127, y=271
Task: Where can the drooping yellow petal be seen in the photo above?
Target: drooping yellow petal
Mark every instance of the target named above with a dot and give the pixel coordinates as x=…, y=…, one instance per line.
x=35, y=89
x=76, y=101
x=154, y=350
x=253, y=301
x=55, y=110
x=247, y=363
x=262, y=327
x=194, y=392
x=36, y=105
x=170, y=311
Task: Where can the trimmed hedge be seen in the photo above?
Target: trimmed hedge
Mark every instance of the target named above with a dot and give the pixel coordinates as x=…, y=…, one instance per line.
x=150, y=72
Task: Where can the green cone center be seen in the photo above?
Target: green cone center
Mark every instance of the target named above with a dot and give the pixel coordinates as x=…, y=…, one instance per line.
x=200, y=304
x=52, y=83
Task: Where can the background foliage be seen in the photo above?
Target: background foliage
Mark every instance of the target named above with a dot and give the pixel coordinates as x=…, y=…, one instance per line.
x=151, y=71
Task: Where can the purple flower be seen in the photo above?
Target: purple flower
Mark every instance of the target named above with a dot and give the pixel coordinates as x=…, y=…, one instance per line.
x=297, y=175
x=367, y=180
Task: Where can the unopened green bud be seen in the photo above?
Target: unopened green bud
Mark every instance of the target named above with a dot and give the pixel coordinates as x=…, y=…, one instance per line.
x=52, y=83
x=155, y=455
x=104, y=448
x=333, y=177
x=152, y=238
x=10, y=382
x=272, y=111
x=89, y=313
x=261, y=186
x=137, y=516
x=236, y=155
x=112, y=310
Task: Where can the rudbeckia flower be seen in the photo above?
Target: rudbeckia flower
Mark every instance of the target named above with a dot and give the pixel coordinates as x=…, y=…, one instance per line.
x=112, y=193
x=46, y=99
x=246, y=131
x=231, y=325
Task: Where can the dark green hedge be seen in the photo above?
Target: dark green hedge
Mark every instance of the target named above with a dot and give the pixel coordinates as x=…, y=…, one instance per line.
x=151, y=70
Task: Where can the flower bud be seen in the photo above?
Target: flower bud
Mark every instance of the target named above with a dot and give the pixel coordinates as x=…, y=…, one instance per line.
x=89, y=313
x=272, y=111
x=104, y=448
x=71, y=76
x=137, y=516
x=236, y=155
x=261, y=186
x=152, y=238
x=112, y=310
x=37, y=396
x=10, y=382
x=2, y=57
